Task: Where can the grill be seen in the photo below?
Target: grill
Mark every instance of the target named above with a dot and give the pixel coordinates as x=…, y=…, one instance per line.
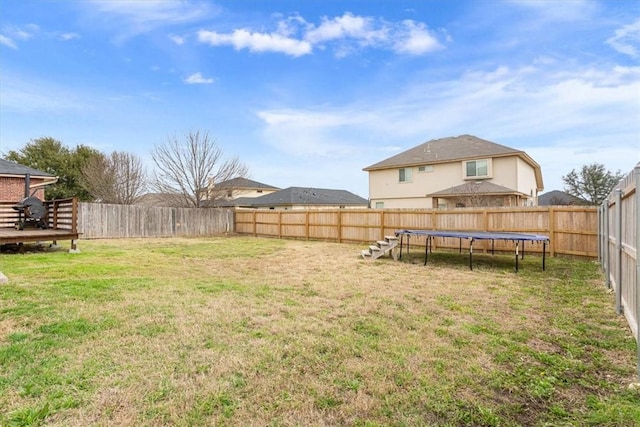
x=31, y=209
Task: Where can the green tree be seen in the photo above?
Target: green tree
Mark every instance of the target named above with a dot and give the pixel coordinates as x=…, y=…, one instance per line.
x=50, y=155
x=592, y=183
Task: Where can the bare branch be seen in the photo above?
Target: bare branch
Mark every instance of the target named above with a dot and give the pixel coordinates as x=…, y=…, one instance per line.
x=184, y=169
x=119, y=178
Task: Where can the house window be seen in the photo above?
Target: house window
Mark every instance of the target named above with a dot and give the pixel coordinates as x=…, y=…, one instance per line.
x=379, y=205
x=477, y=168
x=404, y=175
x=426, y=168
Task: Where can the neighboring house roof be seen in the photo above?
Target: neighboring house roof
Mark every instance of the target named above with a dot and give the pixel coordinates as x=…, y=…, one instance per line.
x=14, y=169
x=160, y=199
x=309, y=196
x=239, y=182
x=557, y=197
x=453, y=148
x=483, y=188
x=244, y=202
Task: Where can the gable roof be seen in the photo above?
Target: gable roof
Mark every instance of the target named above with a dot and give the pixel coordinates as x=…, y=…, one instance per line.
x=309, y=196
x=445, y=150
x=557, y=197
x=246, y=183
x=483, y=188
x=454, y=148
x=14, y=169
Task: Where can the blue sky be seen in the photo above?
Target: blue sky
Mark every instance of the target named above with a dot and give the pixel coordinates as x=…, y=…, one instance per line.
x=307, y=93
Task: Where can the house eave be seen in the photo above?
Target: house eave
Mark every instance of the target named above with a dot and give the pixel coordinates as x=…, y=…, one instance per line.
x=47, y=180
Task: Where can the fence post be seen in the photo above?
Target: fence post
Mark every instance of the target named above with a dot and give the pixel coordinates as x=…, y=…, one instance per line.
x=636, y=172
x=599, y=242
x=255, y=224
x=618, y=267
x=607, y=260
x=279, y=224
x=552, y=231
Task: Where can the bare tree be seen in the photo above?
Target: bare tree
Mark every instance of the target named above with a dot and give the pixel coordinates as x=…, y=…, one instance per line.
x=118, y=178
x=184, y=169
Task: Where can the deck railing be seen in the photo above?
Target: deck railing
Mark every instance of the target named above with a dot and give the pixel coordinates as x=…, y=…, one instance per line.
x=62, y=214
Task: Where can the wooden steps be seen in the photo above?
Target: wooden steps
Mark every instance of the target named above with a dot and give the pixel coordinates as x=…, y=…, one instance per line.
x=380, y=248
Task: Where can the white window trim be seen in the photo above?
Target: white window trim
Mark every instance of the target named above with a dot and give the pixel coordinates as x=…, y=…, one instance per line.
x=410, y=178
x=489, y=169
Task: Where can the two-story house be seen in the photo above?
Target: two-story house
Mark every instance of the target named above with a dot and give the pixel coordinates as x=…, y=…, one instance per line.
x=459, y=171
x=236, y=188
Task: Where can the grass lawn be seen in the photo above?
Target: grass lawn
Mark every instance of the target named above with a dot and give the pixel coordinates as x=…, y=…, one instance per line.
x=264, y=332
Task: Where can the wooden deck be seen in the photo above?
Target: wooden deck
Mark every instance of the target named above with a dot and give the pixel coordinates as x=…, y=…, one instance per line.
x=61, y=223
x=11, y=235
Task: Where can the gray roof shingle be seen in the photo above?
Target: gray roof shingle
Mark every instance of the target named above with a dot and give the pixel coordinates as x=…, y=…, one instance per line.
x=472, y=188
x=557, y=197
x=240, y=182
x=443, y=150
x=11, y=168
x=309, y=196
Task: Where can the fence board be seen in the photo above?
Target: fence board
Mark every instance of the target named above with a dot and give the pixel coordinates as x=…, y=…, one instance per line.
x=572, y=229
x=100, y=221
x=619, y=238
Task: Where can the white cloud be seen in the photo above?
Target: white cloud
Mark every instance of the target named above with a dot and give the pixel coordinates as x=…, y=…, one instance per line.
x=69, y=36
x=197, y=78
x=414, y=38
x=23, y=95
x=346, y=26
x=13, y=33
x=346, y=34
x=256, y=42
x=179, y=40
x=8, y=42
x=25, y=32
x=133, y=17
x=559, y=11
x=310, y=133
x=627, y=40
x=153, y=11
x=563, y=120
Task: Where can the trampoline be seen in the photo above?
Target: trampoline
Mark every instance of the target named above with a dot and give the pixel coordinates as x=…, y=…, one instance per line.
x=517, y=238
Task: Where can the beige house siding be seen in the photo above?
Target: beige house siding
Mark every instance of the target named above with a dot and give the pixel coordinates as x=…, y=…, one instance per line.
x=455, y=172
x=237, y=193
x=526, y=182
x=385, y=187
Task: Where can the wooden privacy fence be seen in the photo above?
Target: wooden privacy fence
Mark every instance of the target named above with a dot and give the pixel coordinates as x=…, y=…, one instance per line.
x=98, y=221
x=619, y=239
x=572, y=229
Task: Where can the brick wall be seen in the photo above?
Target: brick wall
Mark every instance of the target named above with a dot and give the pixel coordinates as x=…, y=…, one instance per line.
x=12, y=189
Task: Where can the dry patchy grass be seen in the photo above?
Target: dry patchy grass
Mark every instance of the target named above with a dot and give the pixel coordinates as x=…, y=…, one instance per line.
x=244, y=331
